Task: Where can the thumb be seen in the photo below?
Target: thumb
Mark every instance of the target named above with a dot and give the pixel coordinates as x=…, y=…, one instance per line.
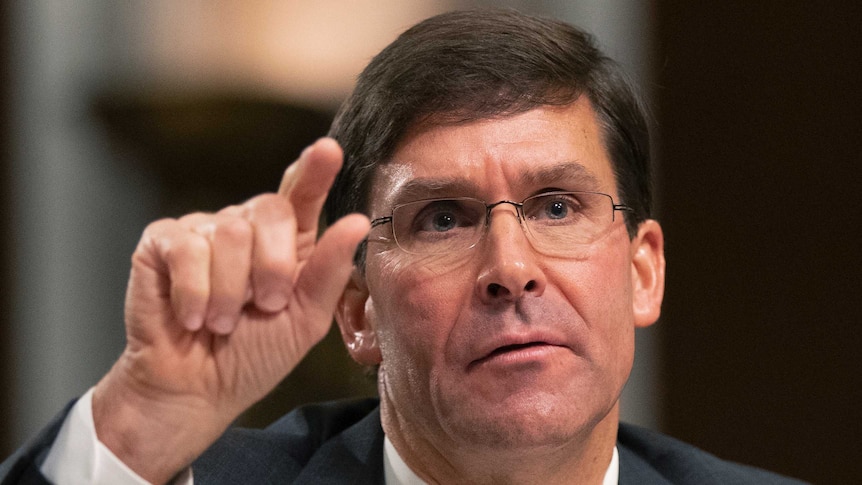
x=326, y=272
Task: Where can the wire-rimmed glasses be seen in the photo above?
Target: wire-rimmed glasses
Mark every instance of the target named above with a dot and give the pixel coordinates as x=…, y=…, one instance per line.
x=557, y=223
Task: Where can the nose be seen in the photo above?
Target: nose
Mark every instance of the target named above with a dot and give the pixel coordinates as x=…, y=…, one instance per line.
x=509, y=268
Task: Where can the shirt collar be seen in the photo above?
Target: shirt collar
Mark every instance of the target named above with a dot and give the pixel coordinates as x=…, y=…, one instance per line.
x=396, y=472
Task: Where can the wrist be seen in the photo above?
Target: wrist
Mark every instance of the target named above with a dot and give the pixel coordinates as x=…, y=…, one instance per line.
x=156, y=436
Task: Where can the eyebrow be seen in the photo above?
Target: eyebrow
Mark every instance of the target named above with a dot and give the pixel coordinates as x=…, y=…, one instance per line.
x=574, y=175
x=564, y=175
x=429, y=188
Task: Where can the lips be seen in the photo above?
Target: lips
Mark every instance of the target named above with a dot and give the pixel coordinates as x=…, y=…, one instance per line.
x=517, y=347
x=513, y=348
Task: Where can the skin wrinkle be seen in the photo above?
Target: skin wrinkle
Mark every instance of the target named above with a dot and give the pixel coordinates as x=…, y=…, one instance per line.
x=446, y=466
x=568, y=175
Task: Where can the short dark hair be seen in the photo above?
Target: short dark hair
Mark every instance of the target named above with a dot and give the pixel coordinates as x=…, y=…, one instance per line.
x=480, y=64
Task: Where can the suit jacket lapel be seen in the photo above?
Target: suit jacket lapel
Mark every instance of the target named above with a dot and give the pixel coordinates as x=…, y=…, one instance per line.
x=354, y=456
x=635, y=470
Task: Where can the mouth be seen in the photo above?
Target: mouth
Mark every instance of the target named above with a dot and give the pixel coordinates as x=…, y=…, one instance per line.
x=514, y=347
x=518, y=353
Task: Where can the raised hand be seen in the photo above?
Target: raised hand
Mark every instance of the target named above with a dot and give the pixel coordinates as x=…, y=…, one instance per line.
x=219, y=308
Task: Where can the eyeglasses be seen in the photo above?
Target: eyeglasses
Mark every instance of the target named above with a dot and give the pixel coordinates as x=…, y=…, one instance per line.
x=557, y=223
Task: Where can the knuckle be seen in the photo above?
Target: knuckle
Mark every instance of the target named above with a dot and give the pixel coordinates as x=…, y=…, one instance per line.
x=234, y=229
x=187, y=246
x=154, y=238
x=160, y=225
x=232, y=210
x=267, y=198
x=158, y=229
x=193, y=218
x=268, y=205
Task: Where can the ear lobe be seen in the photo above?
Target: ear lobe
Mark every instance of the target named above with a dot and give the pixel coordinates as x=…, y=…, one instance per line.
x=354, y=315
x=648, y=268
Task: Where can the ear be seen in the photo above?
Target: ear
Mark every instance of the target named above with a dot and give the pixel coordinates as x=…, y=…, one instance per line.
x=355, y=317
x=647, y=273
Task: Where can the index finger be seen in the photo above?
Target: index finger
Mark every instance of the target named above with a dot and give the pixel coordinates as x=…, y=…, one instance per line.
x=307, y=181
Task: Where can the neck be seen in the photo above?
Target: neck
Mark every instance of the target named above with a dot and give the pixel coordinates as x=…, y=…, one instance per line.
x=438, y=458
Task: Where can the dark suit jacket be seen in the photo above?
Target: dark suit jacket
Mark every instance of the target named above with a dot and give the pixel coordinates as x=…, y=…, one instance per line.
x=342, y=442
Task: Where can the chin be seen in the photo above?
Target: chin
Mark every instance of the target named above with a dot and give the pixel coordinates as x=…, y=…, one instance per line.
x=521, y=422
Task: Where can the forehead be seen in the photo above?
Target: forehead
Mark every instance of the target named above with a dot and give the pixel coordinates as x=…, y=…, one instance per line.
x=500, y=158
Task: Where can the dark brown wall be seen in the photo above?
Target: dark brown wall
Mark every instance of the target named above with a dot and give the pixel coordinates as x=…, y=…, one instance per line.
x=5, y=228
x=760, y=198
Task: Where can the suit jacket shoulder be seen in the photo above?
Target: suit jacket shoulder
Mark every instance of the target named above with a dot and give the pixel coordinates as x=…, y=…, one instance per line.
x=22, y=467
x=336, y=442
x=647, y=457
x=342, y=442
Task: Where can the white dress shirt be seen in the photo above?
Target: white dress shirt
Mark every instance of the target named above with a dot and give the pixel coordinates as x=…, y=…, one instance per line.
x=396, y=472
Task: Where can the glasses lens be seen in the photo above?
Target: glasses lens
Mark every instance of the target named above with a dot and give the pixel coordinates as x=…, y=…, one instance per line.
x=438, y=225
x=559, y=222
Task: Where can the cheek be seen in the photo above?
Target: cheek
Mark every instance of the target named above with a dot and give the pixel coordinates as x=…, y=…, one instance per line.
x=601, y=280
x=599, y=289
x=416, y=306
x=613, y=315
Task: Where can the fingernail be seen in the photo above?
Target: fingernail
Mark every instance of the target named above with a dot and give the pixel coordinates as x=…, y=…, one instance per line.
x=193, y=323
x=308, y=149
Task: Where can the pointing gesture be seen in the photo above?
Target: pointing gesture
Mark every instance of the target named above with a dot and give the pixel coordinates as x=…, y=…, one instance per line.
x=220, y=307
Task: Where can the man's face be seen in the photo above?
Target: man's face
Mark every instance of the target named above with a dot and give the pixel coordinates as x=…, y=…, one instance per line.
x=501, y=345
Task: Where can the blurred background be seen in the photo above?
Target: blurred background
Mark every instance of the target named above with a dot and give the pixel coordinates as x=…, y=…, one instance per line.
x=118, y=113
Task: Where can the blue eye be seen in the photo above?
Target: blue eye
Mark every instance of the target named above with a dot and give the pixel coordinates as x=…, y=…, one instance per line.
x=441, y=222
x=443, y=216
x=434, y=226
x=557, y=209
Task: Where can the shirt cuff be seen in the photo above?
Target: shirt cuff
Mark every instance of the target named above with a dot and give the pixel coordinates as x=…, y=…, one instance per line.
x=77, y=455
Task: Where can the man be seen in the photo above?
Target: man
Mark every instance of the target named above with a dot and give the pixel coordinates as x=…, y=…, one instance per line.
x=503, y=163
